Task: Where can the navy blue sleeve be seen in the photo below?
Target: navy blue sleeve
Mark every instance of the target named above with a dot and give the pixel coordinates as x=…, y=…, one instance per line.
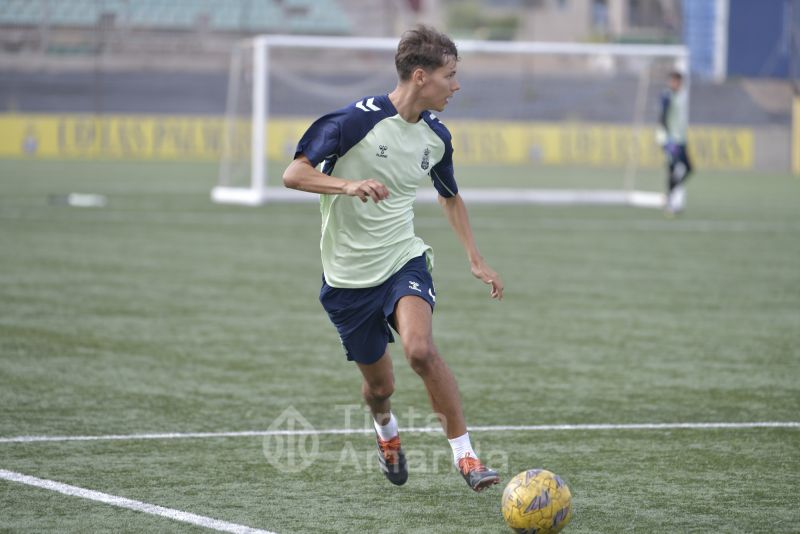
x=323, y=138
x=332, y=135
x=442, y=174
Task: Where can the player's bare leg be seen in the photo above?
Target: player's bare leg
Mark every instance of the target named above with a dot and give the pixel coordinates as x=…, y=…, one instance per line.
x=377, y=387
x=414, y=321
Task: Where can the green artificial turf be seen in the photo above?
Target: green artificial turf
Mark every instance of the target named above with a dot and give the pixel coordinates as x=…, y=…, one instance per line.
x=163, y=312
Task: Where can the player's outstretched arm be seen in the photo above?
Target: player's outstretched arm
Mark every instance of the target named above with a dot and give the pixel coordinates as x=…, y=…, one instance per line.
x=459, y=220
x=301, y=175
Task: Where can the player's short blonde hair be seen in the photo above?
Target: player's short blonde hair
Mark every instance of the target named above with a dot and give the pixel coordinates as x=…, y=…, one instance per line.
x=423, y=47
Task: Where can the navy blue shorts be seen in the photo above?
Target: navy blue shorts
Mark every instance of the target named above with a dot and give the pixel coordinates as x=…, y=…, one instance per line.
x=362, y=316
x=678, y=154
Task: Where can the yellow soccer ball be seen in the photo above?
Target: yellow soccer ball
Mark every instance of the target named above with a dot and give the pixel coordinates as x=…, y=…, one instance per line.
x=537, y=501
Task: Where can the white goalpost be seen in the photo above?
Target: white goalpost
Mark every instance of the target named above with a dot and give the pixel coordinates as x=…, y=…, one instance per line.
x=278, y=84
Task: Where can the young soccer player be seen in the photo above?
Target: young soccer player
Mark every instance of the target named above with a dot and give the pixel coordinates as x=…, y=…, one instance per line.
x=674, y=122
x=376, y=271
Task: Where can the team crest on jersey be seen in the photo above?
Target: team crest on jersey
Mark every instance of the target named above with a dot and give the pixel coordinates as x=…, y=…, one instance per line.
x=425, y=161
x=382, y=153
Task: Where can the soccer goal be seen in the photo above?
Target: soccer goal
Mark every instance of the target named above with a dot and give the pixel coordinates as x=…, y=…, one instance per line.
x=534, y=122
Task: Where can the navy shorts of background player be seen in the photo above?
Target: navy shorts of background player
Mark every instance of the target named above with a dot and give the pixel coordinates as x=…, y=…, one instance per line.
x=362, y=316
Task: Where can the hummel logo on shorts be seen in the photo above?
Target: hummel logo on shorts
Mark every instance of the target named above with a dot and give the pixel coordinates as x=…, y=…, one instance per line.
x=414, y=286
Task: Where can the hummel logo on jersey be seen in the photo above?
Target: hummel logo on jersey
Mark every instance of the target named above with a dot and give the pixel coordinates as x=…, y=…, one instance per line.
x=425, y=163
x=414, y=285
x=383, y=149
x=367, y=105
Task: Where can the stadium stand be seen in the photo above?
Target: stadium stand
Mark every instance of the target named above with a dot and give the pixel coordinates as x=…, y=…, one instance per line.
x=271, y=16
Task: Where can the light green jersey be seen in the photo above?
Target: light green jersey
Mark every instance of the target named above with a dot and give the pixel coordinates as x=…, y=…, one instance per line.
x=364, y=243
x=677, y=117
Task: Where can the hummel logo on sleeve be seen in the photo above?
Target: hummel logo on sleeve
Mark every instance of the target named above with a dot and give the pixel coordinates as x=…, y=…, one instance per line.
x=367, y=105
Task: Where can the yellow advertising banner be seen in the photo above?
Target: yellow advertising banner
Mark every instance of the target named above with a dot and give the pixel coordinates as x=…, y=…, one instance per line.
x=200, y=138
x=110, y=137
x=593, y=145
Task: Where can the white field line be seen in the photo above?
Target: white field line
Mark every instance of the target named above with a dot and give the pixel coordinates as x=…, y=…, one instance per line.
x=122, y=502
x=347, y=431
x=643, y=225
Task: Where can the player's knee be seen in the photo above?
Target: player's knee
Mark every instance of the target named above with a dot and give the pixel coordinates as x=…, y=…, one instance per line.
x=379, y=391
x=420, y=355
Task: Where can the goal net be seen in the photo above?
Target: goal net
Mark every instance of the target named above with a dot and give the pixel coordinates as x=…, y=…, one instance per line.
x=534, y=122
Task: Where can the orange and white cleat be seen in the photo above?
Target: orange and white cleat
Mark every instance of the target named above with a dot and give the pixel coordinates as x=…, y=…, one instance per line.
x=392, y=460
x=478, y=476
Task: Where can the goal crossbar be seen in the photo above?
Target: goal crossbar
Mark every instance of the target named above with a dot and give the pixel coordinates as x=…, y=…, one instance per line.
x=489, y=47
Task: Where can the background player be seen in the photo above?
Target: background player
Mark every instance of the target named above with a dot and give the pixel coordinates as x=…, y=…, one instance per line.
x=376, y=271
x=672, y=136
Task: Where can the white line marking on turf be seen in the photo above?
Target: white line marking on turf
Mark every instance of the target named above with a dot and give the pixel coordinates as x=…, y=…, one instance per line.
x=638, y=225
x=346, y=431
x=130, y=504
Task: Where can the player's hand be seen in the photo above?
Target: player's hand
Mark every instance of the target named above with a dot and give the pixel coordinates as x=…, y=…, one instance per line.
x=367, y=189
x=483, y=272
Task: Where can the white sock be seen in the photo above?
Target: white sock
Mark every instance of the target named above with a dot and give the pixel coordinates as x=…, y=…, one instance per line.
x=461, y=447
x=680, y=197
x=387, y=431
